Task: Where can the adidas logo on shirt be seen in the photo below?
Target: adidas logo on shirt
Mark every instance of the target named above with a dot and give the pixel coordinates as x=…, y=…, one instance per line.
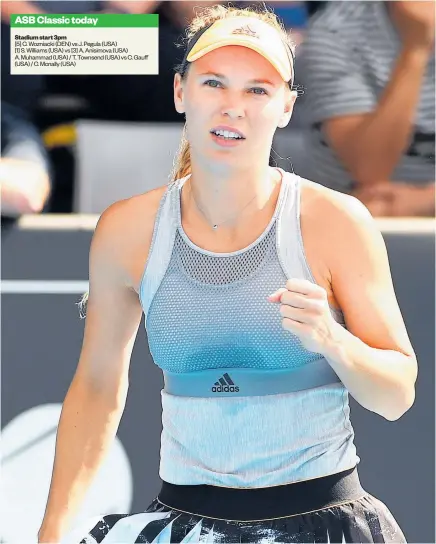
x=225, y=385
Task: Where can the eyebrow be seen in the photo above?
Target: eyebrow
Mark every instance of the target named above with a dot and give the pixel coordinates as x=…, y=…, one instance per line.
x=252, y=81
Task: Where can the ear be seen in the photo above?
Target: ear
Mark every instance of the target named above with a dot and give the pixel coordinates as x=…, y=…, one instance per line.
x=178, y=94
x=291, y=97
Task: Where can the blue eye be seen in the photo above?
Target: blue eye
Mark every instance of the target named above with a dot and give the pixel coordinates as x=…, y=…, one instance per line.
x=255, y=90
x=212, y=83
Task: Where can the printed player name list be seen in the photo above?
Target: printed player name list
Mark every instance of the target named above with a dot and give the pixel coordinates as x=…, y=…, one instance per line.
x=90, y=44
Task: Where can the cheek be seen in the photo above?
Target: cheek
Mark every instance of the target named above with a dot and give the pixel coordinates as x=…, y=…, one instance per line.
x=198, y=106
x=268, y=117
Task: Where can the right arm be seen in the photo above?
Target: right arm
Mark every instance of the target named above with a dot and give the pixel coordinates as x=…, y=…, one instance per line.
x=25, y=182
x=95, y=400
x=368, y=133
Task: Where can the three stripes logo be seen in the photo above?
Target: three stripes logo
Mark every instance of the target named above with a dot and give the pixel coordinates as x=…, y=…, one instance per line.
x=225, y=385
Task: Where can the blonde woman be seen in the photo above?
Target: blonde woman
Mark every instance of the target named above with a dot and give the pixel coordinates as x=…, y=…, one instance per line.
x=267, y=299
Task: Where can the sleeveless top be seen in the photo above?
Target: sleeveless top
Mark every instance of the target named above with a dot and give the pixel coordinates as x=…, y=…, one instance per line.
x=244, y=403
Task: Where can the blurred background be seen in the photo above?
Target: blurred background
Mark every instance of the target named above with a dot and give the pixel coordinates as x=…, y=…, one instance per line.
x=364, y=124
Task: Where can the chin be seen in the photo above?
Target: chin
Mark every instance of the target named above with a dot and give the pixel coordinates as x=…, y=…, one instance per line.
x=231, y=159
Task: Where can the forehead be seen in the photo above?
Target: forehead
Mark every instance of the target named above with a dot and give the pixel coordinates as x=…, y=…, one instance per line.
x=235, y=60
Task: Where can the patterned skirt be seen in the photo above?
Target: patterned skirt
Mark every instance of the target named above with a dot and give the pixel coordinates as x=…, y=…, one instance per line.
x=341, y=512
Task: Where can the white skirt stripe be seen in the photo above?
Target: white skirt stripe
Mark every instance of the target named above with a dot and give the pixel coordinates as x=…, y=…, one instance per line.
x=210, y=537
x=165, y=535
x=127, y=529
x=194, y=534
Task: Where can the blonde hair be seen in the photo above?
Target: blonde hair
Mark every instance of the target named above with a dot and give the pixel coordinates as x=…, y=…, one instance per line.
x=206, y=17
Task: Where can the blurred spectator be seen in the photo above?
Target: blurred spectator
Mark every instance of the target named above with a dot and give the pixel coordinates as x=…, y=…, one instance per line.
x=27, y=176
x=369, y=77
x=24, y=166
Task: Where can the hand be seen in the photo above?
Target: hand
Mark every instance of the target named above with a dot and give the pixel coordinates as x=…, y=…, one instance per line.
x=306, y=313
x=398, y=199
x=415, y=22
x=25, y=187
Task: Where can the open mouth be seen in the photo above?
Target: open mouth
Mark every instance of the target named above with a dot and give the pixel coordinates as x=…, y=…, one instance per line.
x=227, y=134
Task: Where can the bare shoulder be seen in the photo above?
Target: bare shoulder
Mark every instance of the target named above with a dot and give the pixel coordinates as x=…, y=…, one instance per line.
x=124, y=232
x=335, y=219
x=329, y=205
x=129, y=216
x=337, y=231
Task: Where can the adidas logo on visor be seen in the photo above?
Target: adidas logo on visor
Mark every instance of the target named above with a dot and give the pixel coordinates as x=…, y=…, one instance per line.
x=246, y=30
x=225, y=385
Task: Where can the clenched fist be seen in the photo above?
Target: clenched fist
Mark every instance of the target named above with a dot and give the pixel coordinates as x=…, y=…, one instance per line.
x=306, y=313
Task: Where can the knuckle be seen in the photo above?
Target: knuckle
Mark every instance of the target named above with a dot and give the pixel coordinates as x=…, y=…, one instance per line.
x=301, y=300
x=286, y=297
x=317, y=308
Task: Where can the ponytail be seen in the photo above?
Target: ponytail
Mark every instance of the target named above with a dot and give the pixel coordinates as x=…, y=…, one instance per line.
x=182, y=163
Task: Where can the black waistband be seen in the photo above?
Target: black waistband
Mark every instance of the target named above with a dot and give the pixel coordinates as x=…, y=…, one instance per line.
x=241, y=504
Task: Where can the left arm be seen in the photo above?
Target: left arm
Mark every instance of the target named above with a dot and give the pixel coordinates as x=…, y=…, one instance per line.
x=373, y=356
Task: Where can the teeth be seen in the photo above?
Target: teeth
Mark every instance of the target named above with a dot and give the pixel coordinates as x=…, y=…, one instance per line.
x=227, y=134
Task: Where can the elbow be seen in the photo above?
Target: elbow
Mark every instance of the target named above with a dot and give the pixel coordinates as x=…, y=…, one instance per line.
x=110, y=396
x=405, y=395
x=395, y=415
x=402, y=405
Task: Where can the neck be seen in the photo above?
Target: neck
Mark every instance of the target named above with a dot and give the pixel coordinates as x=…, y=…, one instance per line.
x=227, y=196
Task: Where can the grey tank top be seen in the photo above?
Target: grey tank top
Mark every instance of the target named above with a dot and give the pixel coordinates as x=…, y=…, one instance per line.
x=244, y=403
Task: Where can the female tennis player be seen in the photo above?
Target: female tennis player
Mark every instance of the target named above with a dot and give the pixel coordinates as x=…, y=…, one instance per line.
x=267, y=299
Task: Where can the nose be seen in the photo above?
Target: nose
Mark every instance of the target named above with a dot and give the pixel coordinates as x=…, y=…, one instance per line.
x=233, y=108
x=233, y=113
